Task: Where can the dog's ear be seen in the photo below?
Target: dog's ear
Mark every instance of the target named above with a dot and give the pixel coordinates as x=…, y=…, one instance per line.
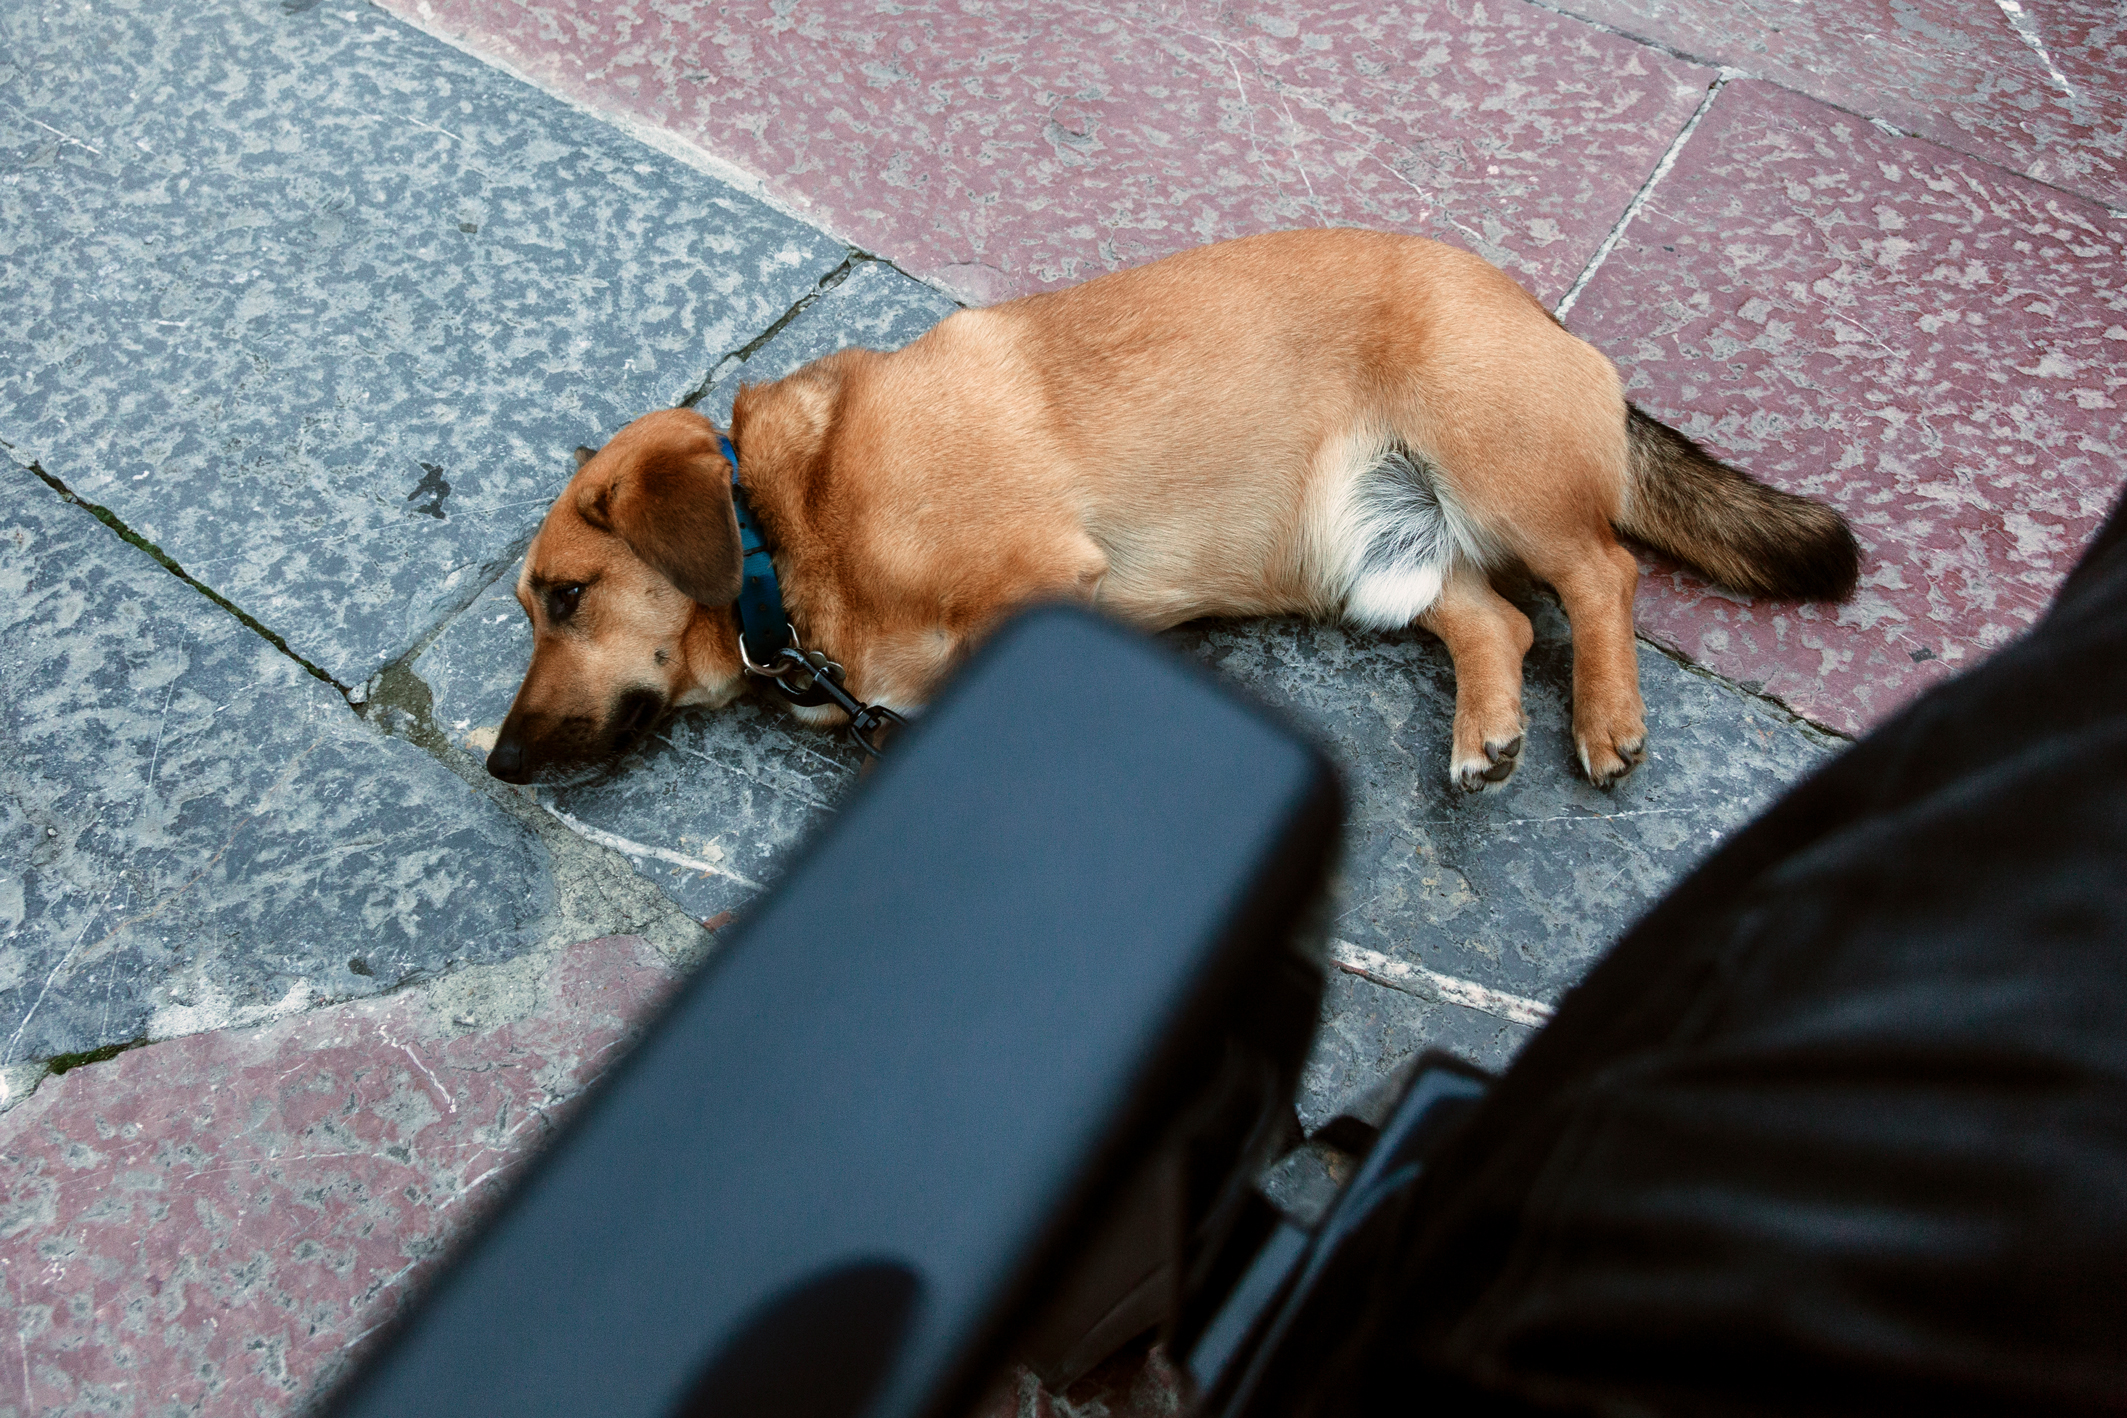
x=584, y=455
x=671, y=503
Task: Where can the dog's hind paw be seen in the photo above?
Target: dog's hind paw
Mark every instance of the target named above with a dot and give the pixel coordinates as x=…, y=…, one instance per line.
x=1608, y=758
x=1474, y=773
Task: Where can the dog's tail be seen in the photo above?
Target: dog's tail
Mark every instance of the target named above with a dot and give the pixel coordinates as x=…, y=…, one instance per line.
x=1720, y=520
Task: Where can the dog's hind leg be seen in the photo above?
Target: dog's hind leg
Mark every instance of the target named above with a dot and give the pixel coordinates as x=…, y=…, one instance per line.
x=1487, y=638
x=1595, y=581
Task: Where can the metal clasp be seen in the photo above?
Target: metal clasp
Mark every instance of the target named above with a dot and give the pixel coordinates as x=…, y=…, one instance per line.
x=808, y=677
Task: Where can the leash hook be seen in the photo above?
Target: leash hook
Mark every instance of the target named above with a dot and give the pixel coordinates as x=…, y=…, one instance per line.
x=824, y=676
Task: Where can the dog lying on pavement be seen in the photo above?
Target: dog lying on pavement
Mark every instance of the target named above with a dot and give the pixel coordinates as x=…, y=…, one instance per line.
x=1338, y=423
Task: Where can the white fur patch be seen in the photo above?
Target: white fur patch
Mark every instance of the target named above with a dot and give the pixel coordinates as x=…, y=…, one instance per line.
x=1392, y=599
x=1400, y=536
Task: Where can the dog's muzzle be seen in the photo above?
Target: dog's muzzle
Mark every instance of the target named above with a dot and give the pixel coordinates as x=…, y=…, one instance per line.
x=531, y=745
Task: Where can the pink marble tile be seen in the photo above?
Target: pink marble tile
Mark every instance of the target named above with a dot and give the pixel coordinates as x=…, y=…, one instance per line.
x=208, y=1225
x=1138, y=1382
x=1935, y=345
x=998, y=147
x=2042, y=90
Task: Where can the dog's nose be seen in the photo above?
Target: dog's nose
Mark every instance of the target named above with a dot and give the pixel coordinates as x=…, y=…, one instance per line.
x=506, y=761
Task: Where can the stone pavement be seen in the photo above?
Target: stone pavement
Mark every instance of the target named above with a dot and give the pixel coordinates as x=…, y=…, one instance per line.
x=310, y=300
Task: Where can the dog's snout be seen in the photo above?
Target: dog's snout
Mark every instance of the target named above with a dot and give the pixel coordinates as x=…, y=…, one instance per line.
x=532, y=746
x=506, y=761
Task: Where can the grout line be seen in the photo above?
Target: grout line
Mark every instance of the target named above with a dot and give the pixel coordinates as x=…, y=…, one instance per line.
x=1644, y=195
x=1731, y=70
x=1772, y=701
x=664, y=140
x=1433, y=985
x=1644, y=40
x=684, y=150
x=737, y=358
x=613, y=841
x=360, y=694
x=776, y=327
x=127, y=534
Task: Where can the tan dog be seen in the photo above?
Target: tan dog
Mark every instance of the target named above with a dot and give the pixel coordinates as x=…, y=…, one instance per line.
x=1338, y=423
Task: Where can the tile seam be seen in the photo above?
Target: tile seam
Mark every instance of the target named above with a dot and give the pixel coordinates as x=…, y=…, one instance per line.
x=16, y=1090
x=126, y=534
x=1645, y=41
x=1839, y=737
x=360, y=694
x=746, y=351
x=737, y=359
x=650, y=135
x=674, y=145
x=1736, y=71
x=1645, y=193
x=1435, y=987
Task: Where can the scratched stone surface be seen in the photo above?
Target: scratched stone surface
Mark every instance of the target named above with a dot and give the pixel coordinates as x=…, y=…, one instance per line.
x=318, y=304
x=212, y=1225
x=1009, y=147
x=1519, y=889
x=194, y=831
x=2038, y=87
x=708, y=810
x=1935, y=345
x=717, y=801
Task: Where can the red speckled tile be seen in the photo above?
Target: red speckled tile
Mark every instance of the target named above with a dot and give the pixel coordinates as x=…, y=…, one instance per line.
x=1136, y=1382
x=1935, y=345
x=998, y=147
x=206, y=1225
x=2042, y=91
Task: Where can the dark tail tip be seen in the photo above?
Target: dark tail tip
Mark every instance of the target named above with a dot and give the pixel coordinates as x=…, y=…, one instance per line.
x=1827, y=566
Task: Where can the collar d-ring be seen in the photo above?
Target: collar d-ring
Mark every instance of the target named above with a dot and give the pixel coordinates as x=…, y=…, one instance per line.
x=769, y=671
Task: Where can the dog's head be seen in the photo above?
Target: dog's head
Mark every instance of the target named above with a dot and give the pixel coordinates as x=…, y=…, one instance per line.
x=629, y=585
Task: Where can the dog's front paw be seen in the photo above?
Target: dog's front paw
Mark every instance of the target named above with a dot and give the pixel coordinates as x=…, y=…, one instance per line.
x=1485, y=765
x=1608, y=753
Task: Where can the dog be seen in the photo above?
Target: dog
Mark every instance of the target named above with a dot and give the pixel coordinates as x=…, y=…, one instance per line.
x=1336, y=423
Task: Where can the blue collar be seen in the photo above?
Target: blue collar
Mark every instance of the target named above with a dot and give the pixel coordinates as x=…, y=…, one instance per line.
x=765, y=634
x=764, y=626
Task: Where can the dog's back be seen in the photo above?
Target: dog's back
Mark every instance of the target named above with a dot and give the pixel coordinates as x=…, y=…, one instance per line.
x=1300, y=421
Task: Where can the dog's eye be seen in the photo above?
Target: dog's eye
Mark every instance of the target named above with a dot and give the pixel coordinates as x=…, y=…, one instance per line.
x=562, y=601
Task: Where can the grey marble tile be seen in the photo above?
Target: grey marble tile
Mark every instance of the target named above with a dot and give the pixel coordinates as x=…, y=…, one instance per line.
x=195, y=832
x=1518, y=890
x=318, y=304
x=1366, y=1030
x=708, y=810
